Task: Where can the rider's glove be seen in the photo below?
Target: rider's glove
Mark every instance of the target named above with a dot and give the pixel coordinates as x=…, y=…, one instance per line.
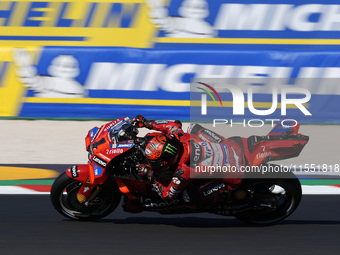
x=145, y=172
x=140, y=122
x=149, y=124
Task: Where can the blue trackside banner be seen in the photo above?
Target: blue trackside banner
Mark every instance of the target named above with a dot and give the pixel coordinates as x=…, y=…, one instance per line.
x=245, y=24
x=110, y=82
x=106, y=59
x=227, y=24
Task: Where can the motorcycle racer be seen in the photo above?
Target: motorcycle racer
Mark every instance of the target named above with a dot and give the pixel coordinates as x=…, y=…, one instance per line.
x=92, y=191
x=171, y=152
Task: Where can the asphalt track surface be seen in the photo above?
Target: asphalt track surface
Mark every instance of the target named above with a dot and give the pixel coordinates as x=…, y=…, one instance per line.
x=30, y=225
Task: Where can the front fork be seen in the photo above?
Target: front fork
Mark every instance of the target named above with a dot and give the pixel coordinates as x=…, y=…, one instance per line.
x=86, y=194
x=89, y=188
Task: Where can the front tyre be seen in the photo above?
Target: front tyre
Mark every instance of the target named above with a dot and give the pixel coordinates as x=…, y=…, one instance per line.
x=64, y=199
x=273, y=199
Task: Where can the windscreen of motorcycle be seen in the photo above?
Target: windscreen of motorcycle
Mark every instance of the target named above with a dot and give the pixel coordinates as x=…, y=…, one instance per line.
x=123, y=131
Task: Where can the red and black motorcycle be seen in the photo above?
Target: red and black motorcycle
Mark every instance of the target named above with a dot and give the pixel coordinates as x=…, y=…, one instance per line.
x=94, y=190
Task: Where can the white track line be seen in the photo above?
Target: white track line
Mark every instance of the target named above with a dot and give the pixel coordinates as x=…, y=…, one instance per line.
x=13, y=190
x=320, y=190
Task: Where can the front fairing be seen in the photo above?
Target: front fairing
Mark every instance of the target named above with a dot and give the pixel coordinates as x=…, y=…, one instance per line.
x=102, y=149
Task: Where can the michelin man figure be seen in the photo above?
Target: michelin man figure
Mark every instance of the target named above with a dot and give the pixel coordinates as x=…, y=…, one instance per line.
x=190, y=23
x=60, y=84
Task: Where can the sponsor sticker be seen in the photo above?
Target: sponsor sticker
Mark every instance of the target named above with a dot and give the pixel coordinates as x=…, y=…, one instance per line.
x=99, y=161
x=97, y=170
x=122, y=145
x=74, y=172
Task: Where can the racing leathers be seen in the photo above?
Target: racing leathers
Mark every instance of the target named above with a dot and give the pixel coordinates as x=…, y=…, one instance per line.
x=200, y=148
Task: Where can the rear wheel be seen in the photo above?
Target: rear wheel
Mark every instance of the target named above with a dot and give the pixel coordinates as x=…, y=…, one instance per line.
x=64, y=199
x=272, y=199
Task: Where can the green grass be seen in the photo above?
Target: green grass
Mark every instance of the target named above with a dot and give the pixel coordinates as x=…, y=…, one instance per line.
x=26, y=182
x=320, y=182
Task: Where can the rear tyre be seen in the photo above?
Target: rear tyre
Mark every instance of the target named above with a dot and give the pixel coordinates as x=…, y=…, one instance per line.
x=64, y=199
x=273, y=199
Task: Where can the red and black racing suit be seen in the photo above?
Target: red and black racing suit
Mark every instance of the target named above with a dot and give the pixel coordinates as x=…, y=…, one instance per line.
x=198, y=138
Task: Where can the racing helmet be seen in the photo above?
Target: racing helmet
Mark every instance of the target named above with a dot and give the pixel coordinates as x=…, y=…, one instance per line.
x=162, y=151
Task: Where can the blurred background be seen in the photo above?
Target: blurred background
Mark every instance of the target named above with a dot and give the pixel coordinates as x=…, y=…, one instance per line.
x=69, y=65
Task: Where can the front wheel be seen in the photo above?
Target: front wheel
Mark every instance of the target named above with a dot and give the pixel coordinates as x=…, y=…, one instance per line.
x=273, y=199
x=64, y=199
